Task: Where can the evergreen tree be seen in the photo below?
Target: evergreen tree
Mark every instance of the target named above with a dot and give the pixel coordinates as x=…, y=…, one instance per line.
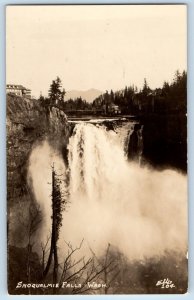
x=177, y=77
x=56, y=93
x=58, y=205
x=146, y=88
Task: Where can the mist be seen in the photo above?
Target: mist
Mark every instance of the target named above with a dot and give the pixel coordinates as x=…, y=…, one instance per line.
x=140, y=211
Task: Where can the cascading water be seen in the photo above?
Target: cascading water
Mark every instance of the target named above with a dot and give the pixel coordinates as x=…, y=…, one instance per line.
x=140, y=143
x=124, y=133
x=140, y=211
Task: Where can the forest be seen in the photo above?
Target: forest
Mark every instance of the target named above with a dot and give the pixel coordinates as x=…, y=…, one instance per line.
x=169, y=99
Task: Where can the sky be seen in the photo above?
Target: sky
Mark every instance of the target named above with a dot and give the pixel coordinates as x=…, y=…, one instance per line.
x=94, y=46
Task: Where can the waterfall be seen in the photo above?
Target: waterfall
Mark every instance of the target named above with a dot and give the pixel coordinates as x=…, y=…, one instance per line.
x=135, y=144
x=140, y=143
x=95, y=157
x=140, y=211
x=124, y=133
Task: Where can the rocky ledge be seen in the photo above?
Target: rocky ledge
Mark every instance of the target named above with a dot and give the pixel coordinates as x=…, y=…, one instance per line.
x=27, y=124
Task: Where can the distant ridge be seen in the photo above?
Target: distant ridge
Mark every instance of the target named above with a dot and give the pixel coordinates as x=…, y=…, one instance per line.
x=88, y=95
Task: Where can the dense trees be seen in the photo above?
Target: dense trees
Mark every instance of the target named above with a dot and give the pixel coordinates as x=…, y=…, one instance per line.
x=76, y=104
x=169, y=98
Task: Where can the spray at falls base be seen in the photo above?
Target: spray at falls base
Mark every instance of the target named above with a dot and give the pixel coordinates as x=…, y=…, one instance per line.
x=114, y=200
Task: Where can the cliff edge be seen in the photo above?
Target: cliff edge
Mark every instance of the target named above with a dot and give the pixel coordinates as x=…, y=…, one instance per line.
x=28, y=123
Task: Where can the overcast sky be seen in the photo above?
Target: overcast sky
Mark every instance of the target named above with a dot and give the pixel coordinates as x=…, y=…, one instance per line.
x=102, y=47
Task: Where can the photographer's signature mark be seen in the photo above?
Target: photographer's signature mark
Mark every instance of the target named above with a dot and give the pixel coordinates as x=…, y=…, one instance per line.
x=165, y=283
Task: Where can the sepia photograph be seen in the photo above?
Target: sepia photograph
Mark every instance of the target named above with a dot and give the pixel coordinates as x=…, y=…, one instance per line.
x=96, y=118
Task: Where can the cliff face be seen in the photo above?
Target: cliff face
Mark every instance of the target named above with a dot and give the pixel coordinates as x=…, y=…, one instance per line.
x=28, y=124
x=165, y=141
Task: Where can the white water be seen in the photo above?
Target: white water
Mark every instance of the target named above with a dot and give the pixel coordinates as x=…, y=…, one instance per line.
x=140, y=211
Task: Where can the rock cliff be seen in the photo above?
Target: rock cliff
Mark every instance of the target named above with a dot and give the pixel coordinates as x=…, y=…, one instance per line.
x=28, y=123
x=165, y=140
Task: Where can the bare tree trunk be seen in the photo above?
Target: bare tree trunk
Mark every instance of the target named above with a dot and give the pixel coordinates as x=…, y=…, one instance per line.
x=45, y=272
x=55, y=268
x=55, y=255
x=53, y=247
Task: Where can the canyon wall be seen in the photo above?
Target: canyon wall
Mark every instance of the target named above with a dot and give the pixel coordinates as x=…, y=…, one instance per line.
x=28, y=123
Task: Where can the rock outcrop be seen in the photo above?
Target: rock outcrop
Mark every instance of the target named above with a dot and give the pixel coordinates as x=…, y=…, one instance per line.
x=27, y=124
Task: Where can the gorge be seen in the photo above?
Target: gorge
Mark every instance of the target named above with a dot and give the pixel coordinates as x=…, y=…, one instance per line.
x=115, y=196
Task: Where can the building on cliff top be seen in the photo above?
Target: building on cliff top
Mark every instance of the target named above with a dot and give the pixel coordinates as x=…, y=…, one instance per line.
x=18, y=90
